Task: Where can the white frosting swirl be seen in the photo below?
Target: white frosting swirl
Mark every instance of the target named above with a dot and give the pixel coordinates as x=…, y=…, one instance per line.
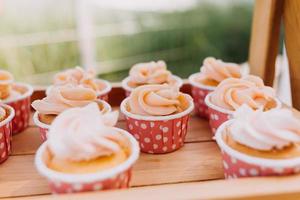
x=80, y=134
x=274, y=129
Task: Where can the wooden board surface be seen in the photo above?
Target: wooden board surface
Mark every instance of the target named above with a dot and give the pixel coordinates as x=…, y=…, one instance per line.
x=194, y=171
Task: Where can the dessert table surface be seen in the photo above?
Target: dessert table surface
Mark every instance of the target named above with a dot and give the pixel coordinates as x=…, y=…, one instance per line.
x=194, y=171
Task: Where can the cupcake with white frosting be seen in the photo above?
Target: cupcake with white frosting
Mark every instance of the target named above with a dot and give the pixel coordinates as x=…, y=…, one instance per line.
x=84, y=152
x=257, y=143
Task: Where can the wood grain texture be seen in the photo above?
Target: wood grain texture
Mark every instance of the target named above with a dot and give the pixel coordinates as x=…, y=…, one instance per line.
x=265, y=39
x=280, y=188
x=193, y=162
x=291, y=20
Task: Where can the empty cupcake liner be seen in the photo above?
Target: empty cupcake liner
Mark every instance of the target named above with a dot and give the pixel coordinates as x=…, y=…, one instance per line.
x=158, y=134
x=114, y=178
x=217, y=115
x=199, y=92
x=237, y=164
x=6, y=134
x=44, y=128
x=129, y=89
x=21, y=106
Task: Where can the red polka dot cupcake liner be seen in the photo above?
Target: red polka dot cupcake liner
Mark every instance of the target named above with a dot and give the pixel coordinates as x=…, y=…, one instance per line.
x=237, y=164
x=218, y=115
x=199, y=92
x=6, y=134
x=103, y=95
x=158, y=134
x=129, y=89
x=21, y=106
x=44, y=128
x=115, y=178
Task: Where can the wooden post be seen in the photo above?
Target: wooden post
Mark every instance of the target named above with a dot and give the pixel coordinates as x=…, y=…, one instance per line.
x=265, y=38
x=291, y=20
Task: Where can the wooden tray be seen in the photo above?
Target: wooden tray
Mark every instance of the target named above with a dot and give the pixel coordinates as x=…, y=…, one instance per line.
x=195, y=171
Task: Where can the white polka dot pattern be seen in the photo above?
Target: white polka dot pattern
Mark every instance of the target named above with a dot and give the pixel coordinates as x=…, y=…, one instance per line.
x=159, y=136
x=199, y=95
x=118, y=181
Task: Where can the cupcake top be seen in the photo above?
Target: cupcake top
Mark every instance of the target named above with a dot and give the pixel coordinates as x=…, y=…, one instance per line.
x=2, y=114
x=150, y=73
x=61, y=98
x=83, y=134
x=233, y=92
x=6, y=90
x=213, y=71
x=265, y=131
x=78, y=76
x=157, y=100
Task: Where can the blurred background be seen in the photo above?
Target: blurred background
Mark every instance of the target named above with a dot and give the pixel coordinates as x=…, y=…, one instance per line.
x=39, y=38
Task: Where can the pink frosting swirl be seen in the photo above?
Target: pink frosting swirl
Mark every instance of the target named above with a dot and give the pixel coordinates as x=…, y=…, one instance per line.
x=150, y=73
x=157, y=100
x=274, y=129
x=232, y=93
x=61, y=98
x=217, y=70
x=82, y=134
x=78, y=76
x=6, y=79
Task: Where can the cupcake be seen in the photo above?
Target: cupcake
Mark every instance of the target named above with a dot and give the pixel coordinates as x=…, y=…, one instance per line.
x=7, y=114
x=84, y=152
x=231, y=93
x=157, y=116
x=61, y=98
x=258, y=143
x=17, y=95
x=78, y=76
x=149, y=73
x=212, y=72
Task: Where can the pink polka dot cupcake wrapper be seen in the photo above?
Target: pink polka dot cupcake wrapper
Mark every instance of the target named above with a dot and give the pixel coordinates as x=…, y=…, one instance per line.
x=21, y=106
x=238, y=164
x=199, y=92
x=158, y=135
x=129, y=89
x=43, y=128
x=6, y=134
x=115, y=178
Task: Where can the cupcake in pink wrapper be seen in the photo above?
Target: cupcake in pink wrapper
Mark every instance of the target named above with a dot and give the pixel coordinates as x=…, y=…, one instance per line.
x=61, y=98
x=17, y=95
x=78, y=76
x=231, y=93
x=157, y=116
x=84, y=152
x=257, y=143
x=149, y=73
x=212, y=72
x=7, y=114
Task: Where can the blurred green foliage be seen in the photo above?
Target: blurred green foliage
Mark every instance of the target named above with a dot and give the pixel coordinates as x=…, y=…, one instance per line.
x=181, y=38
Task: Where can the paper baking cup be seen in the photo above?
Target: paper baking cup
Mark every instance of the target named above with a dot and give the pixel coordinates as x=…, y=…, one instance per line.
x=129, y=89
x=102, y=95
x=6, y=134
x=218, y=115
x=44, y=128
x=158, y=134
x=237, y=164
x=114, y=178
x=21, y=106
x=199, y=92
